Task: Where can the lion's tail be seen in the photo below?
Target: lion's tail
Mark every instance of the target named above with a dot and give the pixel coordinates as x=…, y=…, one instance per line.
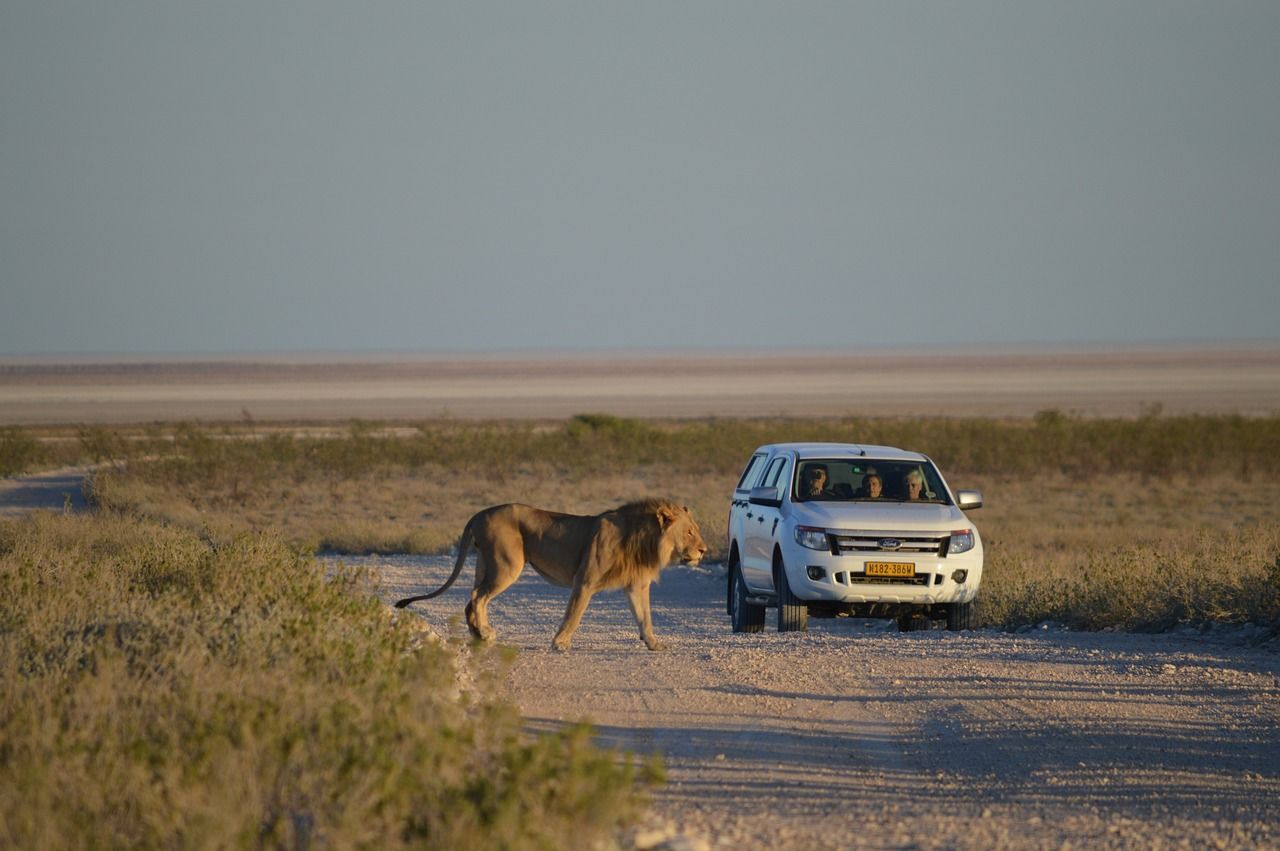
x=464, y=546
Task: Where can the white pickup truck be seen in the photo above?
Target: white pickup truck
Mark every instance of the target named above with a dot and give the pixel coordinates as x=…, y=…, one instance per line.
x=836, y=529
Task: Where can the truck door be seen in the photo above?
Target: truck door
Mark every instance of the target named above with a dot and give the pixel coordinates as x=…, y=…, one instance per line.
x=739, y=507
x=760, y=527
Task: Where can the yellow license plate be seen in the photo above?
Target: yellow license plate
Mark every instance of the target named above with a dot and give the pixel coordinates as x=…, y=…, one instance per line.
x=891, y=568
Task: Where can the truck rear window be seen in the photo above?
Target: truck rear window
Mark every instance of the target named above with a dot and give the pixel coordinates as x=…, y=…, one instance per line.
x=752, y=470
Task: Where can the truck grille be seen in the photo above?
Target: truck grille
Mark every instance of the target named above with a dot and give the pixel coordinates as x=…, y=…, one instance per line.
x=930, y=543
x=862, y=579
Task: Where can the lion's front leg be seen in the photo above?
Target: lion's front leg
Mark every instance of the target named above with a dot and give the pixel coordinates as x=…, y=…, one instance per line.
x=584, y=585
x=572, y=616
x=638, y=596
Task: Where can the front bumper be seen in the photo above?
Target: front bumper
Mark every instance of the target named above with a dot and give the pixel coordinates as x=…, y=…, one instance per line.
x=844, y=579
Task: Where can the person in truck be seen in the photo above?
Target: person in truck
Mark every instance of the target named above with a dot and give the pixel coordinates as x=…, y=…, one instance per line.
x=813, y=482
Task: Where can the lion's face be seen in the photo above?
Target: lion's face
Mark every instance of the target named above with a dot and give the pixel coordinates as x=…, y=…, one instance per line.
x=682, y=531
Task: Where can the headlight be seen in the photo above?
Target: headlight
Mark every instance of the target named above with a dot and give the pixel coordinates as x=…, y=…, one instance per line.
x=961, y=541
x=812, y=537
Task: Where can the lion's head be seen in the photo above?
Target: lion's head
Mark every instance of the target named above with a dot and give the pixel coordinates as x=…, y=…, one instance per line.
x=658, y=532
x=681, y=529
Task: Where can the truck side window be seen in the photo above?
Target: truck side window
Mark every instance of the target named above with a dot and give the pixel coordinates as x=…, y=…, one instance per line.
x=753, y=466
x=771, y=475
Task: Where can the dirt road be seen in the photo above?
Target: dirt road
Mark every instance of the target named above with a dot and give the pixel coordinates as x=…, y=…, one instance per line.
x=53, y=490
x=856, y=736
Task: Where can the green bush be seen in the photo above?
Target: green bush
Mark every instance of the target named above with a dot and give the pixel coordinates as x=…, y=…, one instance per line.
x=19, y=452
x=160, y=691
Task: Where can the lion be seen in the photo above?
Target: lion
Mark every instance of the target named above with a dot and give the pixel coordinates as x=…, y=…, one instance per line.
x=623, y=548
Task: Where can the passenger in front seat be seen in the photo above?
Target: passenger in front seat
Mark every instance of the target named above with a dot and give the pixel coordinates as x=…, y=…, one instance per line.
x=913, y=483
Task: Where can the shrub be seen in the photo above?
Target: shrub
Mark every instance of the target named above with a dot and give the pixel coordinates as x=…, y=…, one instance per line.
x=19, y=452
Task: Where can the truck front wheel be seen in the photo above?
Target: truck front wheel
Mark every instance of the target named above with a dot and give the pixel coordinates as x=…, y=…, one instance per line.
x=793, y=613
x=961, y=616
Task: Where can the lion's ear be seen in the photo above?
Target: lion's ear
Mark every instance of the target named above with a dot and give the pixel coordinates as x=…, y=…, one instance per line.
x=666, y=517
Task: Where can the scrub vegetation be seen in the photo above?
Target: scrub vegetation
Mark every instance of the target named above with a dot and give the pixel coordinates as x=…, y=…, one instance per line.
x=179, y=672
x=1135, y=523
x=165, y=691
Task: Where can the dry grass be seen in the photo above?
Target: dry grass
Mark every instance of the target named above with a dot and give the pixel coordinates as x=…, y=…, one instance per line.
x=420, y=511
x=1131, y=552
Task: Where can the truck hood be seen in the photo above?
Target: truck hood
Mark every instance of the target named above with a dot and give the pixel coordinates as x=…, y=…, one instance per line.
x=904, y=516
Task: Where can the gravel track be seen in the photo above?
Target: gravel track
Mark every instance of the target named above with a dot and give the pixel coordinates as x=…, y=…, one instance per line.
x=856, y=736
x=54, y=490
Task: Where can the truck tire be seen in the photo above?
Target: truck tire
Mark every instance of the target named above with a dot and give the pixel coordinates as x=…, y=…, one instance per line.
x=728, y=596
x=961, y=616
x=793, y=613
x=745, y=616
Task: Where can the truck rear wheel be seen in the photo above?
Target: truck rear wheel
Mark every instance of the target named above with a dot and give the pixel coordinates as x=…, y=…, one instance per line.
x=745, y=616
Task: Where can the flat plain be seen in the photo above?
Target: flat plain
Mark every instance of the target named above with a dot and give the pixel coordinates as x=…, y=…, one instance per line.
x=1123, y=382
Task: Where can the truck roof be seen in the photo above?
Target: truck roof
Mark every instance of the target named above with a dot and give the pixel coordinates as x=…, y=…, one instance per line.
x=843, y=450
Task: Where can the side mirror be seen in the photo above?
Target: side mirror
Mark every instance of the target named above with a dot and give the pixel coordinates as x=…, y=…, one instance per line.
x=969, y=499
x=765, y=496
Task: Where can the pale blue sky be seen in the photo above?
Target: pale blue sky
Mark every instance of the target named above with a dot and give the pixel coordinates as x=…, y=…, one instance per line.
x=281, y=176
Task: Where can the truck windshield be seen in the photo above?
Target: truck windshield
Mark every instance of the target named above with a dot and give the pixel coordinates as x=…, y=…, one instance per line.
x=839, y=479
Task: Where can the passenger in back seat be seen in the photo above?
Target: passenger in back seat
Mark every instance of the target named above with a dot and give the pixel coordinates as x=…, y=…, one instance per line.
x=871, y=486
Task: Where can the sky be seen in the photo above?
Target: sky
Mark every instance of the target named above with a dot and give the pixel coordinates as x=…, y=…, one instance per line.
x=248, y=176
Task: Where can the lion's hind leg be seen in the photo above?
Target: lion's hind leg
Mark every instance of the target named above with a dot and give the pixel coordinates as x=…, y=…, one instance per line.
x=495, y=572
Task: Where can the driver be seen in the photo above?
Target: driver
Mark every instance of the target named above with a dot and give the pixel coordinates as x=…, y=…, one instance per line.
x=813, y=482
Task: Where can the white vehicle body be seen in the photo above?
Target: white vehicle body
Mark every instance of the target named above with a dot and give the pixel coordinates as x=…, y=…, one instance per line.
x=844, y=551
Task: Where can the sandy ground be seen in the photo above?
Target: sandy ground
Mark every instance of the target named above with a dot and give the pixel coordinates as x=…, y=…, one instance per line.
x=1113, y=382
x=856, y=736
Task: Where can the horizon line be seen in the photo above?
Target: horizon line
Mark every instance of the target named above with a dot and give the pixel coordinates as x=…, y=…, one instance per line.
x=305, y=355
